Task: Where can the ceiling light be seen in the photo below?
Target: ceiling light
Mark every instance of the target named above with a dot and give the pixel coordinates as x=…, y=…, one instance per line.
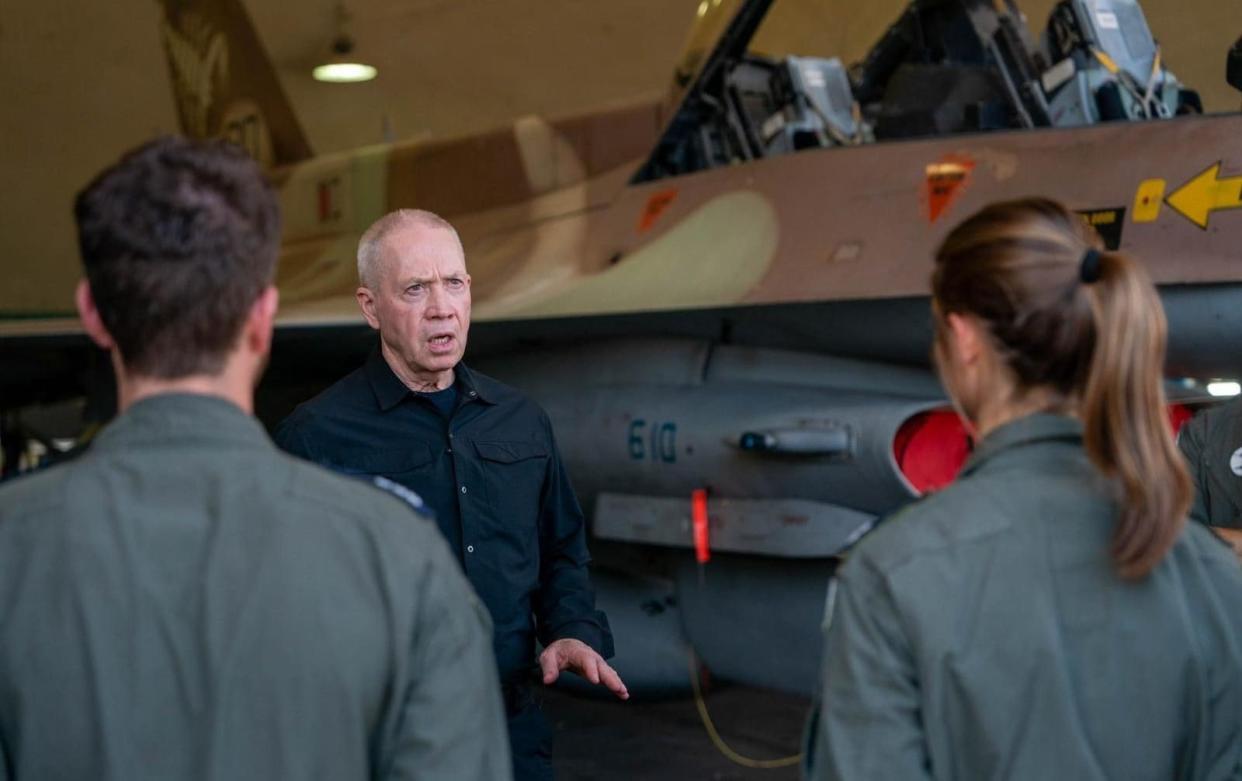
x=342, y=66
x=1224, y=388
x=344, y=72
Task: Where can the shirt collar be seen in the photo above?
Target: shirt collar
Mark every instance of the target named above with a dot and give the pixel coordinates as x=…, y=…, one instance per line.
x=184, y=416
x=1031, y=429
x=474, y=386
x=390, y=390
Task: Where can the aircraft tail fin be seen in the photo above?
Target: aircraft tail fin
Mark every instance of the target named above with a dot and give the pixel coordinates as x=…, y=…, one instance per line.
x=224, y=83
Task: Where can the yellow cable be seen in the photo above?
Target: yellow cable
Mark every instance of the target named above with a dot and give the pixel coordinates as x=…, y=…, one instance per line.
x=1106, y=61
x=718, y=742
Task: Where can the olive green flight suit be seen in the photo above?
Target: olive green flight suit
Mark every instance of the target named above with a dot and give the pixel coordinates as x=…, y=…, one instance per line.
x=1212, y=444
x=982, y=633
x=185, y=601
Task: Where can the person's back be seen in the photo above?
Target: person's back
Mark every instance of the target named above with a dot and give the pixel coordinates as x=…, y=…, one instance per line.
x=1034, y=659
x=1050, y=614
x=184, y=601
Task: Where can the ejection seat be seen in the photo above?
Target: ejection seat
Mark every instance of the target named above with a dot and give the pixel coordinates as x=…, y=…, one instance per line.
x=1106, y=66
x=793, y=104
x=952, y=66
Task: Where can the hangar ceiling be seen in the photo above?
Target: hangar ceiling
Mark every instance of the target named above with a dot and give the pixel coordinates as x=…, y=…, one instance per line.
x=81, y=82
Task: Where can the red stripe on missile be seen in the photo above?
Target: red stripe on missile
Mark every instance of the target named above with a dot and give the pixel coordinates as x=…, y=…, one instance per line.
x=698, y=519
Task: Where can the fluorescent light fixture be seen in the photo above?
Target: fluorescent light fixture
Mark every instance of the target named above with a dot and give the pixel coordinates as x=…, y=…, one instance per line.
x=344, y=72
x=1224, y=388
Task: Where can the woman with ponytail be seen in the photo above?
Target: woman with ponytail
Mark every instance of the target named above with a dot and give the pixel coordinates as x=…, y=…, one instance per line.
x=1050, y=615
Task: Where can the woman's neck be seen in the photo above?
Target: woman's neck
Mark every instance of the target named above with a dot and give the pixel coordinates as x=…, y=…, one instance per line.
x=1010, y=406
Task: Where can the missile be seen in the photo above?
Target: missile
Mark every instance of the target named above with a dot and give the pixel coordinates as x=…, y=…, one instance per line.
x=799, y=453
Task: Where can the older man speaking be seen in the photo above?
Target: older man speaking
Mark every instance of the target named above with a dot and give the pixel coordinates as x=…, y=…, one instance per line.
x=480, y=454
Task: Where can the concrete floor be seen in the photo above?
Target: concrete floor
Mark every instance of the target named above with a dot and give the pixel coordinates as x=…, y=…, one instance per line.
x=665, y=740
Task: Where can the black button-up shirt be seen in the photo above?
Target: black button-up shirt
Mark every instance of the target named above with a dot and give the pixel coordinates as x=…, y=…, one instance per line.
x=492, y=475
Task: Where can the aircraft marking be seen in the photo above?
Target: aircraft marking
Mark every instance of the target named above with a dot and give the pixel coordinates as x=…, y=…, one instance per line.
x=1108, y=223
x=700, y=522
x=329, y=199
x=1148, y=199
x=199, y=59
x=946, y=180
x=661, y=436
x=1206, y=193
x=847, y=251
x=655, y=207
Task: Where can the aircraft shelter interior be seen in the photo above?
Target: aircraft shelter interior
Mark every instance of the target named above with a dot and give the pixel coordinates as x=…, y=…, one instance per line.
x=701, y=235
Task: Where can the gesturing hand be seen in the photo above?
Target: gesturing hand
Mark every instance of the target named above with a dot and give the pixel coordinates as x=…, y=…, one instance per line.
x=570, y=654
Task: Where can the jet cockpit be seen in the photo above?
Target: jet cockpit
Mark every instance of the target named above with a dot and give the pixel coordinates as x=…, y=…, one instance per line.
x=943, y=67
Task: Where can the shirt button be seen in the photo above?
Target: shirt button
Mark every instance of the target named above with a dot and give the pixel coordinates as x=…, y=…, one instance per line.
x=469, y=549
x=450, y=450
x=463, y=489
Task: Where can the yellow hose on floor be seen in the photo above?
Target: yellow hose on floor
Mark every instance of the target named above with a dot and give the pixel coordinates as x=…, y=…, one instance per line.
x=718, y=741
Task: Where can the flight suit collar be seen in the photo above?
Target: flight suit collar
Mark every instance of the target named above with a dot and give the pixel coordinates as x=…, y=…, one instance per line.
x=1040, y=427
x=181, y=416
x=390, y=390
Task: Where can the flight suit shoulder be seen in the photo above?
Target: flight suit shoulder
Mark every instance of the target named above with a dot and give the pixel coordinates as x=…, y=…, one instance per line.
x=966, y=511
x=36, y=494
x=1199, y=541
x=327, y=494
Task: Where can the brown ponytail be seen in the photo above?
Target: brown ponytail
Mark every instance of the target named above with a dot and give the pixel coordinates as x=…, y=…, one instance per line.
x=1123, y=410
x=1097, y=342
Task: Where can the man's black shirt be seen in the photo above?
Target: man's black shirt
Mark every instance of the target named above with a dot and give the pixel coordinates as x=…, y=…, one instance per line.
x=493, y=476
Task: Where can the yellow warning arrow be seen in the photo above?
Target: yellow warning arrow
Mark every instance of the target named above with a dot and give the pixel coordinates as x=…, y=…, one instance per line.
x=1206, y=193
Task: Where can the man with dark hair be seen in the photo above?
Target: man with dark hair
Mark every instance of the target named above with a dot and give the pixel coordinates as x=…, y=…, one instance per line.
x=480, y=453
x=185, y=601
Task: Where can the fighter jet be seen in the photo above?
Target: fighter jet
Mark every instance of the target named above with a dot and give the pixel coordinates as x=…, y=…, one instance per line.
x=720, y=297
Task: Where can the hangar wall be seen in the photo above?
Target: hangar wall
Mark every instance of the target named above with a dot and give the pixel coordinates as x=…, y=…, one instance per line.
x=83, y=81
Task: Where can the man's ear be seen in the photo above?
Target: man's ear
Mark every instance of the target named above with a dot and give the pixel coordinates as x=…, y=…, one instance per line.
x=965, y=338
x=366, y=302
x=92, y=323
x=262, y=319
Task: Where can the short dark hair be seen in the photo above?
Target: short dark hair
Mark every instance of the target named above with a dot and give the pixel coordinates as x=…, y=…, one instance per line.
x=178, y=240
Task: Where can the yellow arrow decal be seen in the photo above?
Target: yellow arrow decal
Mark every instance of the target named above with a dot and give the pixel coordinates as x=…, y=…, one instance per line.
x=1206, y=193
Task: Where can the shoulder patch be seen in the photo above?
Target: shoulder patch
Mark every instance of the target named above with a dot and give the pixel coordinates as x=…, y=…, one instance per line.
x=1235, y=462
x=401, y=492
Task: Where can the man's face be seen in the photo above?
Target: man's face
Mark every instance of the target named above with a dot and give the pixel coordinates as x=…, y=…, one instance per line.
x=422, y=305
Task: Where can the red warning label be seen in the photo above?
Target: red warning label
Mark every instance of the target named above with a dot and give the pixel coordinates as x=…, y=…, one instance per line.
x=946, y=180
x=656, y=205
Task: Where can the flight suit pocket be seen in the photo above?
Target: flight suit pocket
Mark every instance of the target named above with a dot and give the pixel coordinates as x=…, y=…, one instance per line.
x=513, y=476
x=389, y=461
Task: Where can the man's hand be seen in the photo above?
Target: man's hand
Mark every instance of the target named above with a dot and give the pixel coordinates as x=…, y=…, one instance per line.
x=570, y=654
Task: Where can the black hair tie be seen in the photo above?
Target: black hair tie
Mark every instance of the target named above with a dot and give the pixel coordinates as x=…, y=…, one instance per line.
x=1090, y=270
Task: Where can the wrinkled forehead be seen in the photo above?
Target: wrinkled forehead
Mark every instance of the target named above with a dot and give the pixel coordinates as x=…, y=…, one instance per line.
x=421, y=251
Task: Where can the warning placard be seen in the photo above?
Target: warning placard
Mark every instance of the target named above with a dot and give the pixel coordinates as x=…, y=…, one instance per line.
x=656, y=205
x=1109, y=223
x=946, y=180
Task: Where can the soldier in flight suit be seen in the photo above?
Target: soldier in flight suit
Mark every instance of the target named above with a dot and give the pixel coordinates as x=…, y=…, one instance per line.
x=1212, y=445
x=184, y=600
x=1051, y=614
